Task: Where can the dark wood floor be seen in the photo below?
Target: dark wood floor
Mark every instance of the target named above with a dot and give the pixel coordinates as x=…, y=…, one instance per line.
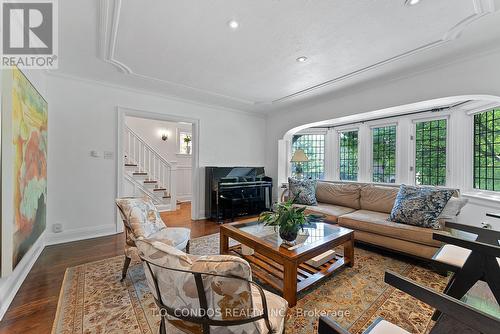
x=34, y=307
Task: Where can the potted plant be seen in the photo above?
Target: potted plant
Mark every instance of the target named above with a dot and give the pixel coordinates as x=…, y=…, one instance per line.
x=187, y=140
x=289, y=219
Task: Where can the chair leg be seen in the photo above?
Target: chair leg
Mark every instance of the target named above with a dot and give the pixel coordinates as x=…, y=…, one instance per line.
x=492, y=276
x=126, y=263
x=163, y=327
x=463, y=280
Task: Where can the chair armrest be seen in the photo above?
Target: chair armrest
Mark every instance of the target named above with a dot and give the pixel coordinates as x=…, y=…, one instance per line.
x=481, y=247
x=329, y=326
x=454, y=308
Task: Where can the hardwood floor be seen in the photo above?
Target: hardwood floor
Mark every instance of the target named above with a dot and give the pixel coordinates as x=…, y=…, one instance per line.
x=34, y=307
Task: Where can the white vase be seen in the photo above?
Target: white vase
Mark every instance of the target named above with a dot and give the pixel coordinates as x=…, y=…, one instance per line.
x=188, y=149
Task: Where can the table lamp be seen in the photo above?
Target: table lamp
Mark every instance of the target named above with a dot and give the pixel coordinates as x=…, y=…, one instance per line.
x=299, y=157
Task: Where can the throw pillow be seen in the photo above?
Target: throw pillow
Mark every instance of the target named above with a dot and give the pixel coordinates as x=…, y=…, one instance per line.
x=452, y=208
x=303, y=191
x=141, y=216
x=420, y=206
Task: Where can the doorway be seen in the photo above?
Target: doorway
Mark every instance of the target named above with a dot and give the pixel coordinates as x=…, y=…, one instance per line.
x=158, y=157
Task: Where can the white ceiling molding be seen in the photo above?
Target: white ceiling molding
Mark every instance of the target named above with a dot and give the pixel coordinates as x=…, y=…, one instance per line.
x=107, y=30
x=109, y=18
x=108, y=25
x=481, y=8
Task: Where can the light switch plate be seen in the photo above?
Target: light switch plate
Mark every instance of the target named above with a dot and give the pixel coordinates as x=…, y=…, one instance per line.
x=95, y=154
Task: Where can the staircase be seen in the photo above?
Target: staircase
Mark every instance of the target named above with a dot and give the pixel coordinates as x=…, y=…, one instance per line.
x=148, y=172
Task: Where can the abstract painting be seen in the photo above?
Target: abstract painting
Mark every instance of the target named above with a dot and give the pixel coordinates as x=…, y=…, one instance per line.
x=29, y=139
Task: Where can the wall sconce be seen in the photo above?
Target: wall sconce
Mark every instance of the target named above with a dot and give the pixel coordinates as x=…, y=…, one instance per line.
x=164, y=136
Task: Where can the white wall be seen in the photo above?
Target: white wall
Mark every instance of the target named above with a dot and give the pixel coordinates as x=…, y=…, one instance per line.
x=83, y=117
x=150, y=131
x=12, y=280
x=479, y=74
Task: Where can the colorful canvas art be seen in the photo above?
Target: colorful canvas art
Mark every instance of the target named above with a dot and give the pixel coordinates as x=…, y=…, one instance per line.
x=29, y=139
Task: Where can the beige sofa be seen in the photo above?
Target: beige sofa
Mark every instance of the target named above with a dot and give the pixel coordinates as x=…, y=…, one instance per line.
x=365, y=208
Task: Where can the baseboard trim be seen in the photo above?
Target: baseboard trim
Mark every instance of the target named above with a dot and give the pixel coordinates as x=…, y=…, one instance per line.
x=10, y=284
x=80, y=234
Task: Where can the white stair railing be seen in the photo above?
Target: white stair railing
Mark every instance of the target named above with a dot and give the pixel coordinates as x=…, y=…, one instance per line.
x=150, y=161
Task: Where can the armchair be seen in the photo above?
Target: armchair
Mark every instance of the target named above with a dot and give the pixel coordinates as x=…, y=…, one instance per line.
x=208, y=294
x=142, y=220
x=457, y=316
x=469, y=260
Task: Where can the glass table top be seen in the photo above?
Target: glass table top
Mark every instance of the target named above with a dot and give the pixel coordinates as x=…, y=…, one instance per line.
x=312, y=233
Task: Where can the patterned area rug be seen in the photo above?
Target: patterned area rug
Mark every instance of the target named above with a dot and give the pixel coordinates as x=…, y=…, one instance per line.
x=93, y=300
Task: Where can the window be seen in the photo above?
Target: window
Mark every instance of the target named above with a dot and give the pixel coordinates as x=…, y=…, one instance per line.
x=384, y=154
x=185, y=143
x=313, y=146
x=487, y=150
x=430, y=153
x=348, y=155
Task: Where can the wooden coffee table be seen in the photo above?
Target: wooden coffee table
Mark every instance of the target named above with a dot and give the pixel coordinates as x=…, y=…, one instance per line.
x=285, y=269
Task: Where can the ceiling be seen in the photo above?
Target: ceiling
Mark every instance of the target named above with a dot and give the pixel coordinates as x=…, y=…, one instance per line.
x=186, y=49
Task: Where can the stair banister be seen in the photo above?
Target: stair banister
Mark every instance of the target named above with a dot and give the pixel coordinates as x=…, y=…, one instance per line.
x=150, y=161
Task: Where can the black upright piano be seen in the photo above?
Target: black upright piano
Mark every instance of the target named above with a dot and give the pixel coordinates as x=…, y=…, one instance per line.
x=236, y=191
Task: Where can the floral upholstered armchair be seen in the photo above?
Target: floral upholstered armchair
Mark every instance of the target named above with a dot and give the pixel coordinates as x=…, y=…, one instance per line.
x=142, y=221
x=208, y=294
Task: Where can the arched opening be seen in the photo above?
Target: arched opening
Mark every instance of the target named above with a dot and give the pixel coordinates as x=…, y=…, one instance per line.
x=458, y=111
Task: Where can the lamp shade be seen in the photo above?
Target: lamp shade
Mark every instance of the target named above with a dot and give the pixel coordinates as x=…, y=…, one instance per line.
x=299, y=156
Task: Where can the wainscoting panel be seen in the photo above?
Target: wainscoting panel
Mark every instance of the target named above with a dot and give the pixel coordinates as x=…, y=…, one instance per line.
x=184, y=183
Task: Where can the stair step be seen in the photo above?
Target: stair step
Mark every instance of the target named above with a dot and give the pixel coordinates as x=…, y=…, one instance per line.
x=130, y=165
x=159, y=189
x=150, y=181
x=139, y=173
x=168, y=196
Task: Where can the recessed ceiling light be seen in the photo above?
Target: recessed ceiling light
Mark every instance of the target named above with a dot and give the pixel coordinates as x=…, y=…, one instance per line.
x=412, y=2
x=302, y=59
x=233, y=24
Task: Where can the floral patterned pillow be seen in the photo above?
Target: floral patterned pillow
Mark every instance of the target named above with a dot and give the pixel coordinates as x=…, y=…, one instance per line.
x=141, y=216
x=420, y=206
x=303, y=191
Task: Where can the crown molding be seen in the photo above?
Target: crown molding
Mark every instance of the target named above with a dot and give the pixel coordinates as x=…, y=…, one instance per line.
x=89, y=81
x=109, y=17
x=481, y=8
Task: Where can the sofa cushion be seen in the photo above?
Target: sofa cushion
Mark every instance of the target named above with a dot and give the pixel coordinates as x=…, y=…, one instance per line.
x=303, y=191
x=420, y=206
x=346, y=194
x=378, y=223
x=378, y=198
x=403, y=246
x=332, y=212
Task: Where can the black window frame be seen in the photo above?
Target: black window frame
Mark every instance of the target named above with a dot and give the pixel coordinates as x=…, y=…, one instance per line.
x=435, y=170
x=316, y=159
x=348, y=171
x=379, y=134
x=486, y=145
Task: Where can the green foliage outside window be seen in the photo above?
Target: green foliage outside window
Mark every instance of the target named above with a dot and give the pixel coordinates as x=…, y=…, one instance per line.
x=313, y=146
x=384, y=154
x=487, y=150
x=430, y=153
x=348, y=142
